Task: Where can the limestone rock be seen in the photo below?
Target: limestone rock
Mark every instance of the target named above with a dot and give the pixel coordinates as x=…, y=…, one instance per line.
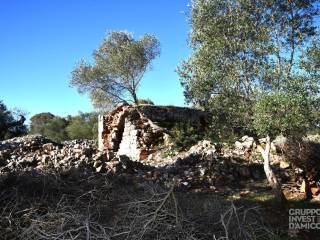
x=284, y=164
x=35, y=151
x=244, y=143
x=203, y=147
x=303, y=187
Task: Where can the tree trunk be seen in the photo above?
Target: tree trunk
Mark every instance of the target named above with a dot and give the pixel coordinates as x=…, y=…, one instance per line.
x=271, y=177
x=135, y=99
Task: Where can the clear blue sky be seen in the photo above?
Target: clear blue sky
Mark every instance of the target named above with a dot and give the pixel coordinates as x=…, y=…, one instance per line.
x=41, y=40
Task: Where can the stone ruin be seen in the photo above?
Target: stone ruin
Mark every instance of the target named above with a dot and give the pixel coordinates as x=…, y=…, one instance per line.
x=136, y=131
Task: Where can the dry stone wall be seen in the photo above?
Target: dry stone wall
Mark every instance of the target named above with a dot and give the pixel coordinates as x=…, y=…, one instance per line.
x=135, y=131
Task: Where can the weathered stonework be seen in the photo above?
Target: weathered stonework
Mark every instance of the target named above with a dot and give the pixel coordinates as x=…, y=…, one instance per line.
x=135, y=131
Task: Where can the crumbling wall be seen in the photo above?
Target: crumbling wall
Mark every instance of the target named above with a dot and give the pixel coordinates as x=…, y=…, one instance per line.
x=111, y=128
x=165, y=116
x=136, y=131
x=129, y=145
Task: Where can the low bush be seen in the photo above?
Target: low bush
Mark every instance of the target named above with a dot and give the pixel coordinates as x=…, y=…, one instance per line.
x=184, y=135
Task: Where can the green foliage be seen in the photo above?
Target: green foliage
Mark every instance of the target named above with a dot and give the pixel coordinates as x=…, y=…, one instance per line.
x=145, y=101
x=184, y=135
x=83, y=126
x=254, y=58
x=119, y=65
x=231, y=116
x=38, y=122
x=10, y=125
x=289, y=114
x=49, y=125
x=227, y=39
x=55, y=129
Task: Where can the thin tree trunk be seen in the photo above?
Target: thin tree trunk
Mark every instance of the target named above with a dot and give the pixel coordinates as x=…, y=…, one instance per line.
x=271, y=177
x=135, y=99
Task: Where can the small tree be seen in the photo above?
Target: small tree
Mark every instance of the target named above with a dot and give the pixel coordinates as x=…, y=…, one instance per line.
x=286, y=113
x=119, y=65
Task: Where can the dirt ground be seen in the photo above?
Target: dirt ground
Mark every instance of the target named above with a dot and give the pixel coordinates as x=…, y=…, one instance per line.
x=86, y=205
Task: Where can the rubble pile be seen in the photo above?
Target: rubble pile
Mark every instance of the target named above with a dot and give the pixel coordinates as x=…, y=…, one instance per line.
x=37, y=152
x=294, y=161
x=199, y=168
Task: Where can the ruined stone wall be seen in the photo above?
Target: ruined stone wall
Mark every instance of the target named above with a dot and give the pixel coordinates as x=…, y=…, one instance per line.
x=135, y=131
x=130, y=145
x=168, y=115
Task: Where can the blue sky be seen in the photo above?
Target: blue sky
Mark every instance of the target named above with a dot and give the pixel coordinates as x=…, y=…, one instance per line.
x=41, y=41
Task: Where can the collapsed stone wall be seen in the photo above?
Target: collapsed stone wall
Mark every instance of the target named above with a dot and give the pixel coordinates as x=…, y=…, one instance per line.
x=39, y=153
x=135, y=131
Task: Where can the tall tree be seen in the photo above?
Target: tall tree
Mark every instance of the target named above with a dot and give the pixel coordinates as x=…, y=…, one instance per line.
x=83, y=126
x=38, y=122
x=55, y=129
x=11, y=125
x=247, y=60
x=229, y=43
x=49, y=125
x=119, y=65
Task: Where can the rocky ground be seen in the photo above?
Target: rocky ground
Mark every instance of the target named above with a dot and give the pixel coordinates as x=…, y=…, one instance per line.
x=201, y=168
x=72, y=191
x=38, y=153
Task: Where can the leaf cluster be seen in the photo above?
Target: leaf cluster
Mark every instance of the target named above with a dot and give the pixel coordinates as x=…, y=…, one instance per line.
x=119, y=65
x=184, y=135
x=82, y=126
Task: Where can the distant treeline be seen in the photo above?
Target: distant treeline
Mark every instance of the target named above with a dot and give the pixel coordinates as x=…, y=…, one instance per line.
x=81, y=126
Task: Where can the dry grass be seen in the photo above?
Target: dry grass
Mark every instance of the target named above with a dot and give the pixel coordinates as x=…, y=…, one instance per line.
x=84, y=205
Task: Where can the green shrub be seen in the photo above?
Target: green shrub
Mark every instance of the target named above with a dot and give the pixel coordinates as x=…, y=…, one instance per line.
x=145, y=101
x=83, y=126
x=184, y=135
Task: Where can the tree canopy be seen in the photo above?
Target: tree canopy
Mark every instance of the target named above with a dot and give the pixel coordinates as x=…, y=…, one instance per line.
x=247, y=54
x=119, y=65
x=38, y=122
x=49, y=125
x=82, y=126
x=255, y=65
x=11, y=125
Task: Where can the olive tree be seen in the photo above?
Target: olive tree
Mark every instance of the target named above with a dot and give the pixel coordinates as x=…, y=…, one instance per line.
x=254, y=64
x=119, y=65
